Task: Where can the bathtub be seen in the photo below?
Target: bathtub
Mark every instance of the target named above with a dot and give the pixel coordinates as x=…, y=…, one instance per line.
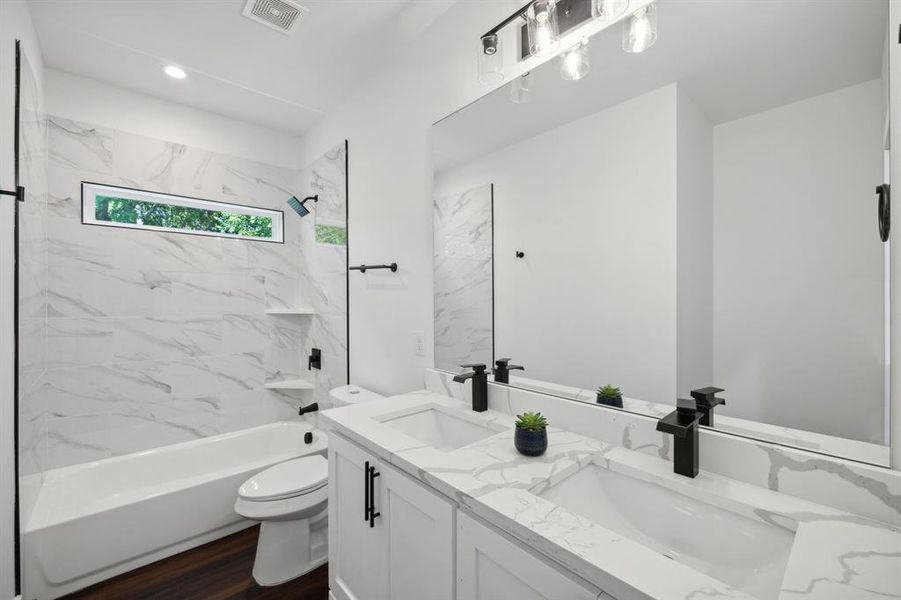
x=96, y=520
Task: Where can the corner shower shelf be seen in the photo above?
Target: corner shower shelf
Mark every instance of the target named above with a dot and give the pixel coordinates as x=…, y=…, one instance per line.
x=290, y=311
x=289, y=384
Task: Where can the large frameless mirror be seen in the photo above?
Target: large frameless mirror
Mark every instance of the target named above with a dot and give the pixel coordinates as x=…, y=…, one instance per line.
x=634, y=226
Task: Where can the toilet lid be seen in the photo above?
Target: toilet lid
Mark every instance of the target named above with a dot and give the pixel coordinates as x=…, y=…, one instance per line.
x=286, y=480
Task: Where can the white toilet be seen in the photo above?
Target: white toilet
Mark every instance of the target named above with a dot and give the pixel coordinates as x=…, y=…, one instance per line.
x=291, y=502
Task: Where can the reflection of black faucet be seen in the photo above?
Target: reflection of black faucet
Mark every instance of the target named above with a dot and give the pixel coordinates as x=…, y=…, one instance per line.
x=502, y=370
x=682, y=423
x=706, y=401
x=479, y=378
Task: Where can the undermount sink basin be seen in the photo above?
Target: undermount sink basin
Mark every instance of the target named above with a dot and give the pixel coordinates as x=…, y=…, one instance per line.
x=746, y=554
x=440, y=428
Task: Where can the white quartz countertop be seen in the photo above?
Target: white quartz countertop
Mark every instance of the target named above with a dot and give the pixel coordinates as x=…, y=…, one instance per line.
x=835, y=555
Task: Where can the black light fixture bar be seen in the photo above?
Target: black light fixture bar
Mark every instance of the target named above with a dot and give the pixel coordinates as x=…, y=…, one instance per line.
x=519, y=13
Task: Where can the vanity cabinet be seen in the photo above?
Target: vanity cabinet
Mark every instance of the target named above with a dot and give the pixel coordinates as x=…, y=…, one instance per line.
x=389, y=537
x=491, y=566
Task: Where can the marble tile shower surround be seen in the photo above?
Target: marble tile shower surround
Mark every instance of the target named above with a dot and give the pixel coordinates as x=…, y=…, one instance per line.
x=870, y=491
x=157, y=338
x=463, y=278
x=33, y=267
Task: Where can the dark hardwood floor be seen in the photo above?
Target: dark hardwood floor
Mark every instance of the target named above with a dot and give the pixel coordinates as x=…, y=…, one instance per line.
x=220, y=570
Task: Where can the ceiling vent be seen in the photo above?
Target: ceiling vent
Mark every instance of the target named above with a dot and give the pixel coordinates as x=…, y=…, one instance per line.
x=281, y=15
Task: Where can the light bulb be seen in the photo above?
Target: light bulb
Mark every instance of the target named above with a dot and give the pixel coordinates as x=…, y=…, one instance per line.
x=609, y=10
x=574, y=63
x=640, y=30
x=541, y=20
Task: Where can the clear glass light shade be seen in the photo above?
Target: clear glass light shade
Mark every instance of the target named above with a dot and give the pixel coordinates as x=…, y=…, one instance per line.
x=640, y=30
x=574, y=63
x=541, y=20
x=609, y=10
x=521, y=89
x=491, y=67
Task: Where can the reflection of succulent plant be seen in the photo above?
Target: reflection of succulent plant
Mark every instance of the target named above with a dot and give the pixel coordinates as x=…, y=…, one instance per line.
x=531, y=421
x=608, y=391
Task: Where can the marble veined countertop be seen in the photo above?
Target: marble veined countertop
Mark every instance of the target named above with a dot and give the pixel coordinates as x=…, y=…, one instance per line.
x=835, y=555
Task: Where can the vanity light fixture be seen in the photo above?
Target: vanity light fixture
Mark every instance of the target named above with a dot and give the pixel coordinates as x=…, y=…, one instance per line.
x=521, y=89
x=574, y=63
x=491, y=63
x=640, y=29
x=543, y=37
x=174, y=72
x=541, y=20
x=608, y=10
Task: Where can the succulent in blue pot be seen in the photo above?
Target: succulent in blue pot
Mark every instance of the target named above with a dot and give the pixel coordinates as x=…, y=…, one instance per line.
x=531, y=434
x=610, y=396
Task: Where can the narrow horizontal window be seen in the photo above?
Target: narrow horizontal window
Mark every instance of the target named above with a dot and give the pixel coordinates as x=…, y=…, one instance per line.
x=138, y=209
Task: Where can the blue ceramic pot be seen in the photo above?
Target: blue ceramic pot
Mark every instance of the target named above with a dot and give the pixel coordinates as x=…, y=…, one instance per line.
x=530, y=443
x=615, y=402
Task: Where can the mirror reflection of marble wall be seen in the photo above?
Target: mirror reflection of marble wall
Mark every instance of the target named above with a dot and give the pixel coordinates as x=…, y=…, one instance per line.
x=689, y=220
x=463, y=278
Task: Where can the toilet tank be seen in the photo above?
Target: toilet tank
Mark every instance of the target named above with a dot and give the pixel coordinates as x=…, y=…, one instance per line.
x=352, y=394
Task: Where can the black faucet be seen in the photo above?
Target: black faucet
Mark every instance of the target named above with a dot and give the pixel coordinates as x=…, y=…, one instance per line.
x=682, y=423
x=479, y=377
x=706, y=401
x=502, y=370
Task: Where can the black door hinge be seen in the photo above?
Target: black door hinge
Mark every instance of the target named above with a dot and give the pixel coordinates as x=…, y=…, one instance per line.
x=19, y=193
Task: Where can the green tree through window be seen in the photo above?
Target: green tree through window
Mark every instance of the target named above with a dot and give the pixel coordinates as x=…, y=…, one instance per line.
x=172, y=216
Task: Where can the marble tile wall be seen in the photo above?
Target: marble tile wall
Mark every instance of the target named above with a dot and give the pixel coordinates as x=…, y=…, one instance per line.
x=33, y=268
x=463, y=278
x=157, y=338
x=324, y=273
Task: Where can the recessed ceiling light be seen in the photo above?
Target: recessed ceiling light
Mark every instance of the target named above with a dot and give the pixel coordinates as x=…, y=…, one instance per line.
x=174, y=72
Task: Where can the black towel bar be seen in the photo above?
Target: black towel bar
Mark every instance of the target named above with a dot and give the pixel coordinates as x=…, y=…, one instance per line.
x=364, y=268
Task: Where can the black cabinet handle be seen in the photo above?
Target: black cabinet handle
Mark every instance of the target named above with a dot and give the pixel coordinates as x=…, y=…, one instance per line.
x=372, y=513
x=883, y=210
x=366, y=492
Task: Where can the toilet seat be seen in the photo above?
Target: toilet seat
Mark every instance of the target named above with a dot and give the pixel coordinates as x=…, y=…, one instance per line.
x=290, y=479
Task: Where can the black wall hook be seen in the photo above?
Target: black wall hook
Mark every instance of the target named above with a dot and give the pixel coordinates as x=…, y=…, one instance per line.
x=520, y=254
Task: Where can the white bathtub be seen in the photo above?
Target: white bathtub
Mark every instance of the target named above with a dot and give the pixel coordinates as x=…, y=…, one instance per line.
x=96, y=520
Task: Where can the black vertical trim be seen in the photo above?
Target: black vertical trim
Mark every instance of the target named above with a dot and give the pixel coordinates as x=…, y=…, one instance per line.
x=347, y=252
x=16, y=524
x=493, y=349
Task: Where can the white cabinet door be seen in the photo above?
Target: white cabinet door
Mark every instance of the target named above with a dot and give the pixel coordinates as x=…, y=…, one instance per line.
x=358, y=558
x=491, y=566
x=420, y=529
x=408, y=553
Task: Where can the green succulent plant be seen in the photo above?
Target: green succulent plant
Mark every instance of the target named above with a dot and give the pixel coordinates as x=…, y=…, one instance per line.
x=531, y=421
x=608, y=391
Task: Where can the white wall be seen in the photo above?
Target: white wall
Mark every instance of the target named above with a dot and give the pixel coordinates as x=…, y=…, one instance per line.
x=694, y=246
x=798, y=249
x=596, y=219
x=15, y=23
x=84, y=99
x=387, y=121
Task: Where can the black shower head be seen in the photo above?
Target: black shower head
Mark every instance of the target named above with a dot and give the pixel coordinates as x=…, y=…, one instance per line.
x=299, y=206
